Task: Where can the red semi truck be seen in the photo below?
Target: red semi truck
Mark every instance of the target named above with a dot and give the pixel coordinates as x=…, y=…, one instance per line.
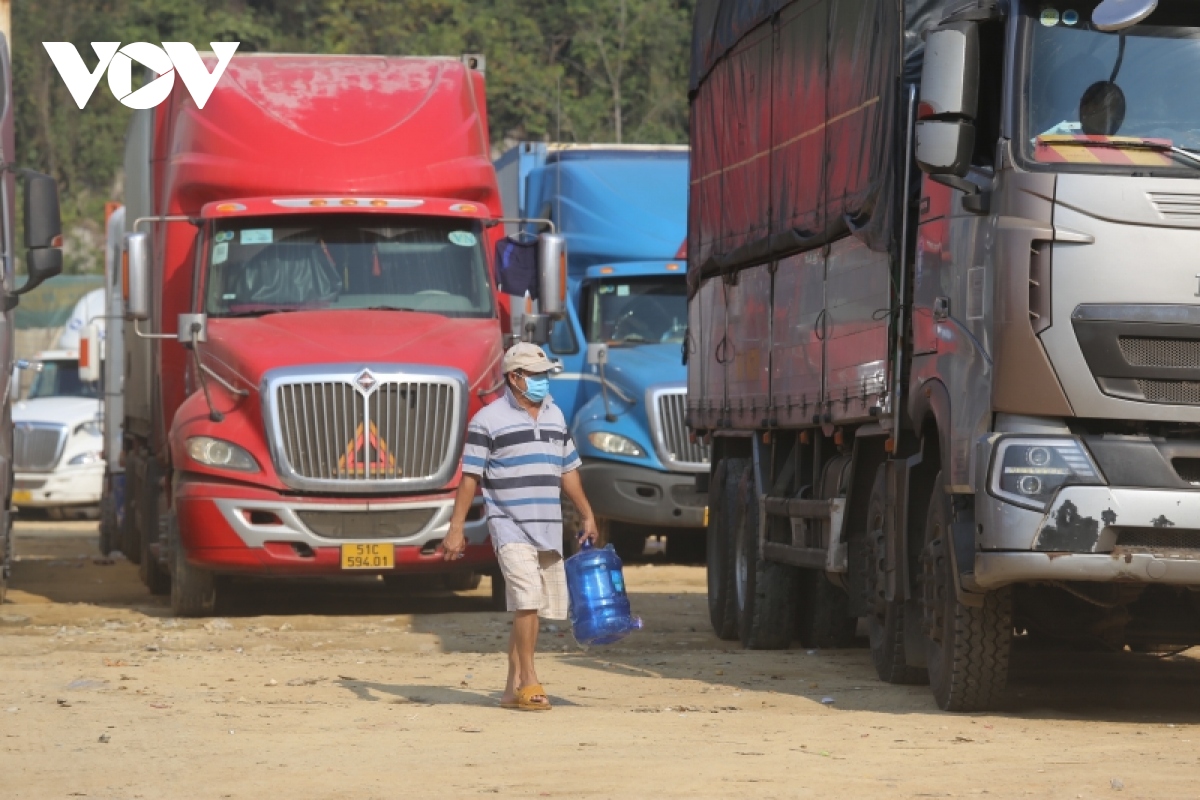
x=311, y=321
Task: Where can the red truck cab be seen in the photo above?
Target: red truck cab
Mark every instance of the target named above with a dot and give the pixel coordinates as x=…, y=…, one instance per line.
x=323, y=226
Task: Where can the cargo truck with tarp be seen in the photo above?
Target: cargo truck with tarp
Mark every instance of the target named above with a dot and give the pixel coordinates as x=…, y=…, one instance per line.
x=943, y=327
x=311, y=321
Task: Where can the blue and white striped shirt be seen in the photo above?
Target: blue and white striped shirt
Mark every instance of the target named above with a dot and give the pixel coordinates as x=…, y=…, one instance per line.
x=520, y=462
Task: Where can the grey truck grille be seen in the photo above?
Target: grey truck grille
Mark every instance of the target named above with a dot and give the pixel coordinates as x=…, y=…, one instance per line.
x=37, y=446
x=1175, y=392
x=375, y=430
x=675, y=445
x=1147, y=351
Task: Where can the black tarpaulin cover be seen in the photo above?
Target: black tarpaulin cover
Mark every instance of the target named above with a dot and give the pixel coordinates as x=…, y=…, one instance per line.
x=795, y=124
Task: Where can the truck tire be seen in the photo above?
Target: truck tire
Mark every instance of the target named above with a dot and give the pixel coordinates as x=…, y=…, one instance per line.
x=824, y=612
x=462, y=581
x=128, y=541
x=153, y=573
x=193, y=590
x=885, y=620
x=766, y=591
x=967, y=649
x=823, y=618
x=722, y=597
x=6, y=553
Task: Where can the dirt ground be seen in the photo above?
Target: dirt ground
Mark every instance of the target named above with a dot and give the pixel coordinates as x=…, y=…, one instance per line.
x=349, y=691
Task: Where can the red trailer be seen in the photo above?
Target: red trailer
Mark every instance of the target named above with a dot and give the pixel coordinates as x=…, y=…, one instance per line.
x=320, y=233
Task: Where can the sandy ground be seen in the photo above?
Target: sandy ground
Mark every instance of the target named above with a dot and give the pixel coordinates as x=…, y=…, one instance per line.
x=349, y=691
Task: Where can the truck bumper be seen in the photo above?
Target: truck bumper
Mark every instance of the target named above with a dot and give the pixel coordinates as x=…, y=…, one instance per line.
x=1094, y=533
x=233, y=529
x=66, y=486
x=643, y=496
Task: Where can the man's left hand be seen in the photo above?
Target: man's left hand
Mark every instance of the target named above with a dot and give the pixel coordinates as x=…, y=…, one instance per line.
x=589, y=532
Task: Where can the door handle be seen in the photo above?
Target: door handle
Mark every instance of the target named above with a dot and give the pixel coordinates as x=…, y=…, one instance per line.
x=941, y=308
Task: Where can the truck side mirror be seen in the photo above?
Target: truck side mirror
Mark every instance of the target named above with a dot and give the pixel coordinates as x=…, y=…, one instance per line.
x=135, y=277
x=949, y=100
x=89, y=354
x=43, y=230
x=552, y=275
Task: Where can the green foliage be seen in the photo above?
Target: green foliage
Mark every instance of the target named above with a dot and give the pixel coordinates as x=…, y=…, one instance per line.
x=575, y=70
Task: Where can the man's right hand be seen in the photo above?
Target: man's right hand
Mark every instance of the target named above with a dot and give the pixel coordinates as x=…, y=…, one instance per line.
x=455, y=544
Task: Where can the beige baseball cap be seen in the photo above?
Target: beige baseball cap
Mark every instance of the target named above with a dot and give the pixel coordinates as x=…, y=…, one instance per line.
x=528, y=357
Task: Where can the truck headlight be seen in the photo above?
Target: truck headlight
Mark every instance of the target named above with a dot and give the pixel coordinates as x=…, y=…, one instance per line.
x=91, y=428
x=220, y=453
x=83, y=459
x=1028, y=471
x=616, y=444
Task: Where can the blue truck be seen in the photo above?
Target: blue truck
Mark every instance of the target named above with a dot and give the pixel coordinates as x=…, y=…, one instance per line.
x=622, y=388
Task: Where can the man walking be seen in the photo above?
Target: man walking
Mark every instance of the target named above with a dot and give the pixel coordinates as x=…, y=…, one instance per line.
x=519, y=448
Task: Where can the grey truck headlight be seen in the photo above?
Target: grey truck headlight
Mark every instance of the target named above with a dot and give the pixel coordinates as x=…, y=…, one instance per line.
x=1028, y=471
x=616, y=444
x=221, y=454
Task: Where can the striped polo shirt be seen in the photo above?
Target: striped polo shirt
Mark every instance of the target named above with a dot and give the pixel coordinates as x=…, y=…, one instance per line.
x=520, y=462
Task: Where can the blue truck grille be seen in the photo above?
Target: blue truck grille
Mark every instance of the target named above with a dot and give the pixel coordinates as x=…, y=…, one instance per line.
x=675, y=445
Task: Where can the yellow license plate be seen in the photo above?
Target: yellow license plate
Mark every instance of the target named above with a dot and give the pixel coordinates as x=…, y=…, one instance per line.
x=22, y=496
x=369, y=556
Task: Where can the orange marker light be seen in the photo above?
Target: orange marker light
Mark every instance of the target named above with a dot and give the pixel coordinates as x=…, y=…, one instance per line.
x=349, y=201
x=672, y=267
x=85, y=356
x=226, y=207
x=318, y=202
x=606, y=270
x=379, y=203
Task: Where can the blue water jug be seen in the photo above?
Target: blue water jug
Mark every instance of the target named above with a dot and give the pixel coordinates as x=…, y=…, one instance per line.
x=599, y=606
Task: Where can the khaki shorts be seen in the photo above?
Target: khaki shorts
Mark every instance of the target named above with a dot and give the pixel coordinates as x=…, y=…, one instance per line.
x=534, y=580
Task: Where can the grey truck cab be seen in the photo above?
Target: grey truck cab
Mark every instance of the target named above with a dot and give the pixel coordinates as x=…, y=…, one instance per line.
x=965, y=404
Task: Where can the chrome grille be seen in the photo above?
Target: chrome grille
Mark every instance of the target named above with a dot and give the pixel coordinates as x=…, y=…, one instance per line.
x=1146, y=351
x=1178, y=392
x=387, y=431
x=387, y=524
x=37, y=446
x=676, y=448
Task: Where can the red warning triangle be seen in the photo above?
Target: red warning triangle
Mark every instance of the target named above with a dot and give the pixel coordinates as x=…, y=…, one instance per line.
x=358, y=454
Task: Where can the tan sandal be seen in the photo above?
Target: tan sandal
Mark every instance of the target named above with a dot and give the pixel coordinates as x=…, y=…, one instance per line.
x=525, y=701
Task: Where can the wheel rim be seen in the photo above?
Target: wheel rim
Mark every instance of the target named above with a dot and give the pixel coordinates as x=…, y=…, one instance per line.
x=741, y=576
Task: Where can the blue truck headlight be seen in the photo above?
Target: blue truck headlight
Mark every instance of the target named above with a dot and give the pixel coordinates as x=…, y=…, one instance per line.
x=220, y=453
x=1029, y=471
x=616, y=444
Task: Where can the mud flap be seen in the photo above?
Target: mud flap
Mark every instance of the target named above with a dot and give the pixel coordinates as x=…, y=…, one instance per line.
x=963, y=532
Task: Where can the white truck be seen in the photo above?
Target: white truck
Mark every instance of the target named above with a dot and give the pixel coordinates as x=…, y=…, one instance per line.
x=57, y=435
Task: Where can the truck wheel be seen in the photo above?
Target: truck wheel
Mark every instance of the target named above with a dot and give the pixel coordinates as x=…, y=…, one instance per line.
x=824, y=618
x=722, y=597
x=766, y=591
x=885, y=621
x=462, y=581
x=499, y=601
x=153, y=572
x=6, y=552
x=967, y=649
x=193, y=590
x=127, y=533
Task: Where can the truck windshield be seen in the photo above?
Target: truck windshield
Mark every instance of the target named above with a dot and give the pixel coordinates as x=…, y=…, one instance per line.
x=273, y=264
x=1099, y=104
x=60, y=379
x=637, y=310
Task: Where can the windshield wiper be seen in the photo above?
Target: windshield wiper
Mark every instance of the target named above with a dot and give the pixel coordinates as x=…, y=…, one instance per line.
x=258, y=312
x=389, y=308
x=1124, y=143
